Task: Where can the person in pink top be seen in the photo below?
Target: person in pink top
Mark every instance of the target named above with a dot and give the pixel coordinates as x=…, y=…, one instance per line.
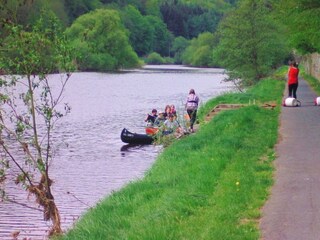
x=173, y=110
x=293, y=74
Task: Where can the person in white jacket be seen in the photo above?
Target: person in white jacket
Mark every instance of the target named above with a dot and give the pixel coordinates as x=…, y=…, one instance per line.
x=192, y=107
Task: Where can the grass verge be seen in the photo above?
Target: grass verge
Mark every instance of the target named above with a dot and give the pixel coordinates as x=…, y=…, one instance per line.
x=313, y=82
x=209, y=185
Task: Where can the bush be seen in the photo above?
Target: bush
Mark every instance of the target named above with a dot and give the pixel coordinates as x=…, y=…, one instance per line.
x=155, y=58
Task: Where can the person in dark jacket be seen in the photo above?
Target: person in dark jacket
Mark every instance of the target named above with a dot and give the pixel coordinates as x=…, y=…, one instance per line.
x=151, y=117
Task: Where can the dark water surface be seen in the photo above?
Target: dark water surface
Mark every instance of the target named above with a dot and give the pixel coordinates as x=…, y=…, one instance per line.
x=91, y=160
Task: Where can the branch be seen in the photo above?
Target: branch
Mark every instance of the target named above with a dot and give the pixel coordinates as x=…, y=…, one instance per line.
x=23, y=144
x=73, y=195
x=23, y=204
x=17, y=164
x=36, y=141
x=64, y=83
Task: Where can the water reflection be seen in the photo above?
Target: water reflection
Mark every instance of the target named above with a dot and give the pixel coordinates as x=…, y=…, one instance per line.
x=90, y=160
x=130, y=148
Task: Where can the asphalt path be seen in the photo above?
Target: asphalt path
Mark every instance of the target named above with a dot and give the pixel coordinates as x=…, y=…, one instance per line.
x=292, y=211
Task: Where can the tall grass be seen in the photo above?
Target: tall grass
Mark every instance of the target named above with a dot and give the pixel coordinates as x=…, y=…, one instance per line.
x=209, y=185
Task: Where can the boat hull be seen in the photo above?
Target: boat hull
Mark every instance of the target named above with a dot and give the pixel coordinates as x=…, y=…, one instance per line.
x=135, y=138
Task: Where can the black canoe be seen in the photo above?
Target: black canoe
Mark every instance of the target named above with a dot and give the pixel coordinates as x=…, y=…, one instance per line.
x=135, y=138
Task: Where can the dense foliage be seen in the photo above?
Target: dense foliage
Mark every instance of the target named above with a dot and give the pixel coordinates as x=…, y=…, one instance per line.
x=199, y=52
x=303, y=22
x=189, y=20
x=178, y=47
x=147, y=33
x=101, y=42
x=244, y=33
x=251, y=43
x=41, y=50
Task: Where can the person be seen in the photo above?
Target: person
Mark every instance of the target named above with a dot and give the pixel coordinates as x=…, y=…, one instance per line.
x=150, y=119
x=171, y=125
x=173, y=110
x=293, y=74
x=191, y=107
x=160, y=120
x=167, y=111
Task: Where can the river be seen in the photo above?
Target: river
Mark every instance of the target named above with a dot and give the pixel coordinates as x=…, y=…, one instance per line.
x=91, y=161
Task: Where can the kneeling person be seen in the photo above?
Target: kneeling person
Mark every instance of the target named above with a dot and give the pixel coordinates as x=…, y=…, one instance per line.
x=171, y=125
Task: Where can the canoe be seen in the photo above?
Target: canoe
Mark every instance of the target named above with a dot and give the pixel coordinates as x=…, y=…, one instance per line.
x=135, y=138
x=151, y=130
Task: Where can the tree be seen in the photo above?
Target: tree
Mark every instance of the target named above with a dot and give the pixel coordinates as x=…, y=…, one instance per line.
x=58, y=7
x=147, y=33
x=175, y=15
x=154, y=58
x=26, y=12
x=16, y=11
x=199, y=52
x=161, y=37
x=141, y=31
x=189, y=18
x=153, y=8
x=29, y=108
x=250, y=42
x=102, y=42
x=302, y=19
x=76, y=8
x=205, y=22
x=178, y=47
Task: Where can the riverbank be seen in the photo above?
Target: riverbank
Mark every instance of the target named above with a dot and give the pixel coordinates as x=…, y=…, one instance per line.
x=209, y=185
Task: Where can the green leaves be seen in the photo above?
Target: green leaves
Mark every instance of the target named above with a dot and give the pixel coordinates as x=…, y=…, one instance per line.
x=198, y=53
x=302, y=19
x=101, y=42
x=38, y=51
x=251, y=42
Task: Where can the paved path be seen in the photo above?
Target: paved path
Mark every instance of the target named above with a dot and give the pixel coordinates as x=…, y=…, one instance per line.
x=293, y=209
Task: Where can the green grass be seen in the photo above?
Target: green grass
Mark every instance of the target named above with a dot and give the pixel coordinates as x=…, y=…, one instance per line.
x=210, y=185
x=313, y=82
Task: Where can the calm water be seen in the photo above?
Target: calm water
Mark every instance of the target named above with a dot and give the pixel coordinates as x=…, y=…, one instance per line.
x=91, y=161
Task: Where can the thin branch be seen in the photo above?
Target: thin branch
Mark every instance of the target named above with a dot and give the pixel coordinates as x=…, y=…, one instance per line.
x=73, y=195
x=64, y=83
x=23, y=204
x=16, y=163
x=23, y=144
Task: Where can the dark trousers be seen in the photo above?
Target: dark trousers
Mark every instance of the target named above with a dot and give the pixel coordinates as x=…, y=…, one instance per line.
x=293, y=90
x=192, y=115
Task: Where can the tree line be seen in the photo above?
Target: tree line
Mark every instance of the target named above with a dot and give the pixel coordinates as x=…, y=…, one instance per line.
x=233, y=34
x=147, y=27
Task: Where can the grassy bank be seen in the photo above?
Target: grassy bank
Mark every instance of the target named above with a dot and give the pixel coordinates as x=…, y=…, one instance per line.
x=209, y=185
x=313, y=82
